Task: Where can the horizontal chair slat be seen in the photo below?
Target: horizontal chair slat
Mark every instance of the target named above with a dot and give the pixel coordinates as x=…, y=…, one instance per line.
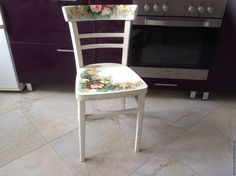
x=100, y=35
x=104, y=45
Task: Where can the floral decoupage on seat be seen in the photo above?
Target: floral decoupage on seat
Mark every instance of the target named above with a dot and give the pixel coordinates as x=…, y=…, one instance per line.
x=107, y=78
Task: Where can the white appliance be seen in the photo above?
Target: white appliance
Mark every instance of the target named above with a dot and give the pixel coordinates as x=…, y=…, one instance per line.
x=8, y=77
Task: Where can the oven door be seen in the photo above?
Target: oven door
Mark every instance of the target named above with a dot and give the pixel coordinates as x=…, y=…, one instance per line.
x=185, y=47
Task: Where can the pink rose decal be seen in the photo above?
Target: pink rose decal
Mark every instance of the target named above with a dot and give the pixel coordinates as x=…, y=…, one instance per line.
x=96, y=86
x=96, y=8
x=110, y=6
x=106, y=11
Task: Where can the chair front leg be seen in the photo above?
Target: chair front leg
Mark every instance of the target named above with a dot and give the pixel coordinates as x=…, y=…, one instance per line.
x=139, y=123
x=81, y=119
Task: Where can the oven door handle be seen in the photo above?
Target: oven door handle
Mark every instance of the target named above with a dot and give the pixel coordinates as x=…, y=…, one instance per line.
x=178, y=23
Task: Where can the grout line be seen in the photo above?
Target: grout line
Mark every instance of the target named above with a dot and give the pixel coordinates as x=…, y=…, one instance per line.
x=12, y=109
x=183, y=135
x=143, y=163
x=33, y=125
x=163, y=166
x=48, y=141
x=41, y=145
x=69, y=168
x=63, y=135
x=187, y=130
x=21, y=156
x=189, y=167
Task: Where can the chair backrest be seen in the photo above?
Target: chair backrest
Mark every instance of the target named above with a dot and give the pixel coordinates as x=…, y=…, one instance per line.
x=74, y=14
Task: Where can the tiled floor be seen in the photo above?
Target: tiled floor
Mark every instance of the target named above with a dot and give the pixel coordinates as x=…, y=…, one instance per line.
x=181, y=137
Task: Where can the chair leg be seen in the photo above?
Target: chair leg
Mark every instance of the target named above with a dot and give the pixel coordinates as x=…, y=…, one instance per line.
x=81, y=119
x=139, y=123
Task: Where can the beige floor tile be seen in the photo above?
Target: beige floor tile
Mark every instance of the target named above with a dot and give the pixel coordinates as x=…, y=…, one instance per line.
x=136, y=174
x=24, y=99
x=177, y=104
x=102, y=136
x=5, y=103
x=179, y=100
x=224, y=119
x=194, y=131
x=53, y=113
x=67, y=147
x=41, y=162
x=204, y=149
x=175, y=168
x=196, y=105
x=156, y=133
x=107, y=150
x=157, y=162
x=40, y=92
x=121, y=160
x=17, y=135
x=175, y=112
x=53, y=116
x=107, y=105
x=188, y=121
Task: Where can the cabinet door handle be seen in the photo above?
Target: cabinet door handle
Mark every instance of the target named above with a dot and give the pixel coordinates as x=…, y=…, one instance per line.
x=170, y=85
x=65, y=50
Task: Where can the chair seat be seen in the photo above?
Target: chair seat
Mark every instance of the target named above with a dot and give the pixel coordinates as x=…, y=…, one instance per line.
x=106, y=80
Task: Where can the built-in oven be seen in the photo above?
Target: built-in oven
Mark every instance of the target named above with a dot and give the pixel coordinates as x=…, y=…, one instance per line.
x=175, y=39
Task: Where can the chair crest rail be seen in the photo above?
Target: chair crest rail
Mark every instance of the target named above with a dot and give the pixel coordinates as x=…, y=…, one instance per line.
x=99, y=12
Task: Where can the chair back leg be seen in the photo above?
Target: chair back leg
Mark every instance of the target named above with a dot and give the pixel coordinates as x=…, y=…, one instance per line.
x=139, y=123
x=81, y=119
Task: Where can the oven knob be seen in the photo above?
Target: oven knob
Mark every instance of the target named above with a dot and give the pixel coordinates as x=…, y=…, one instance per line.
x=201, y=9
x=156, y=8
x=165, y=8
x=146, y=7
x=210, y=9
x=191, y=9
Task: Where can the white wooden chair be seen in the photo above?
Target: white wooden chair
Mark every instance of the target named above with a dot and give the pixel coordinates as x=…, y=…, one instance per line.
x=104, y=80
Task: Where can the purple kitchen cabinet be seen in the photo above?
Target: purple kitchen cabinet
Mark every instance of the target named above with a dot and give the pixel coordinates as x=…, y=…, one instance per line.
x=44, y=64
x=38, y=21
x=223, y=72
x=108, y=55
x=37, y=29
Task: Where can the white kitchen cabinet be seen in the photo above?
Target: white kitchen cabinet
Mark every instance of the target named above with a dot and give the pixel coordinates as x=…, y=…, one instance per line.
x=8, y=77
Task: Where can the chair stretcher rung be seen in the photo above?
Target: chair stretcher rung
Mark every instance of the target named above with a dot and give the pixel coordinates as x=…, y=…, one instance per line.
x=112, y=113
x=104, y=45
x=100, y=35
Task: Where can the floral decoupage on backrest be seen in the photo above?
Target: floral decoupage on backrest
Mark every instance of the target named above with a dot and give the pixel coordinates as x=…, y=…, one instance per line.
x=100, y=12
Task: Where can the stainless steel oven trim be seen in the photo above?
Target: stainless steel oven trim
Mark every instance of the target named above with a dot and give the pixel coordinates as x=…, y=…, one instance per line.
x=180, y=8
x=172, y=73
x=177, y=22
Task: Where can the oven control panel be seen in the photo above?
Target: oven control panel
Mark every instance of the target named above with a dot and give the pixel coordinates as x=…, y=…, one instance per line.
x=184, y=8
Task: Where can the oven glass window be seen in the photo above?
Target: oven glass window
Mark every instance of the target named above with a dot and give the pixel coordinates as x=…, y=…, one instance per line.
x=173, y=47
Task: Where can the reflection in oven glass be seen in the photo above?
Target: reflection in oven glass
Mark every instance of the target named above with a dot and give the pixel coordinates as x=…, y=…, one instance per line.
x=173, y=47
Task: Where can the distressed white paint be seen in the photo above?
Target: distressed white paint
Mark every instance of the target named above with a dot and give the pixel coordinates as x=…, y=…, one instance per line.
x=119, y=73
